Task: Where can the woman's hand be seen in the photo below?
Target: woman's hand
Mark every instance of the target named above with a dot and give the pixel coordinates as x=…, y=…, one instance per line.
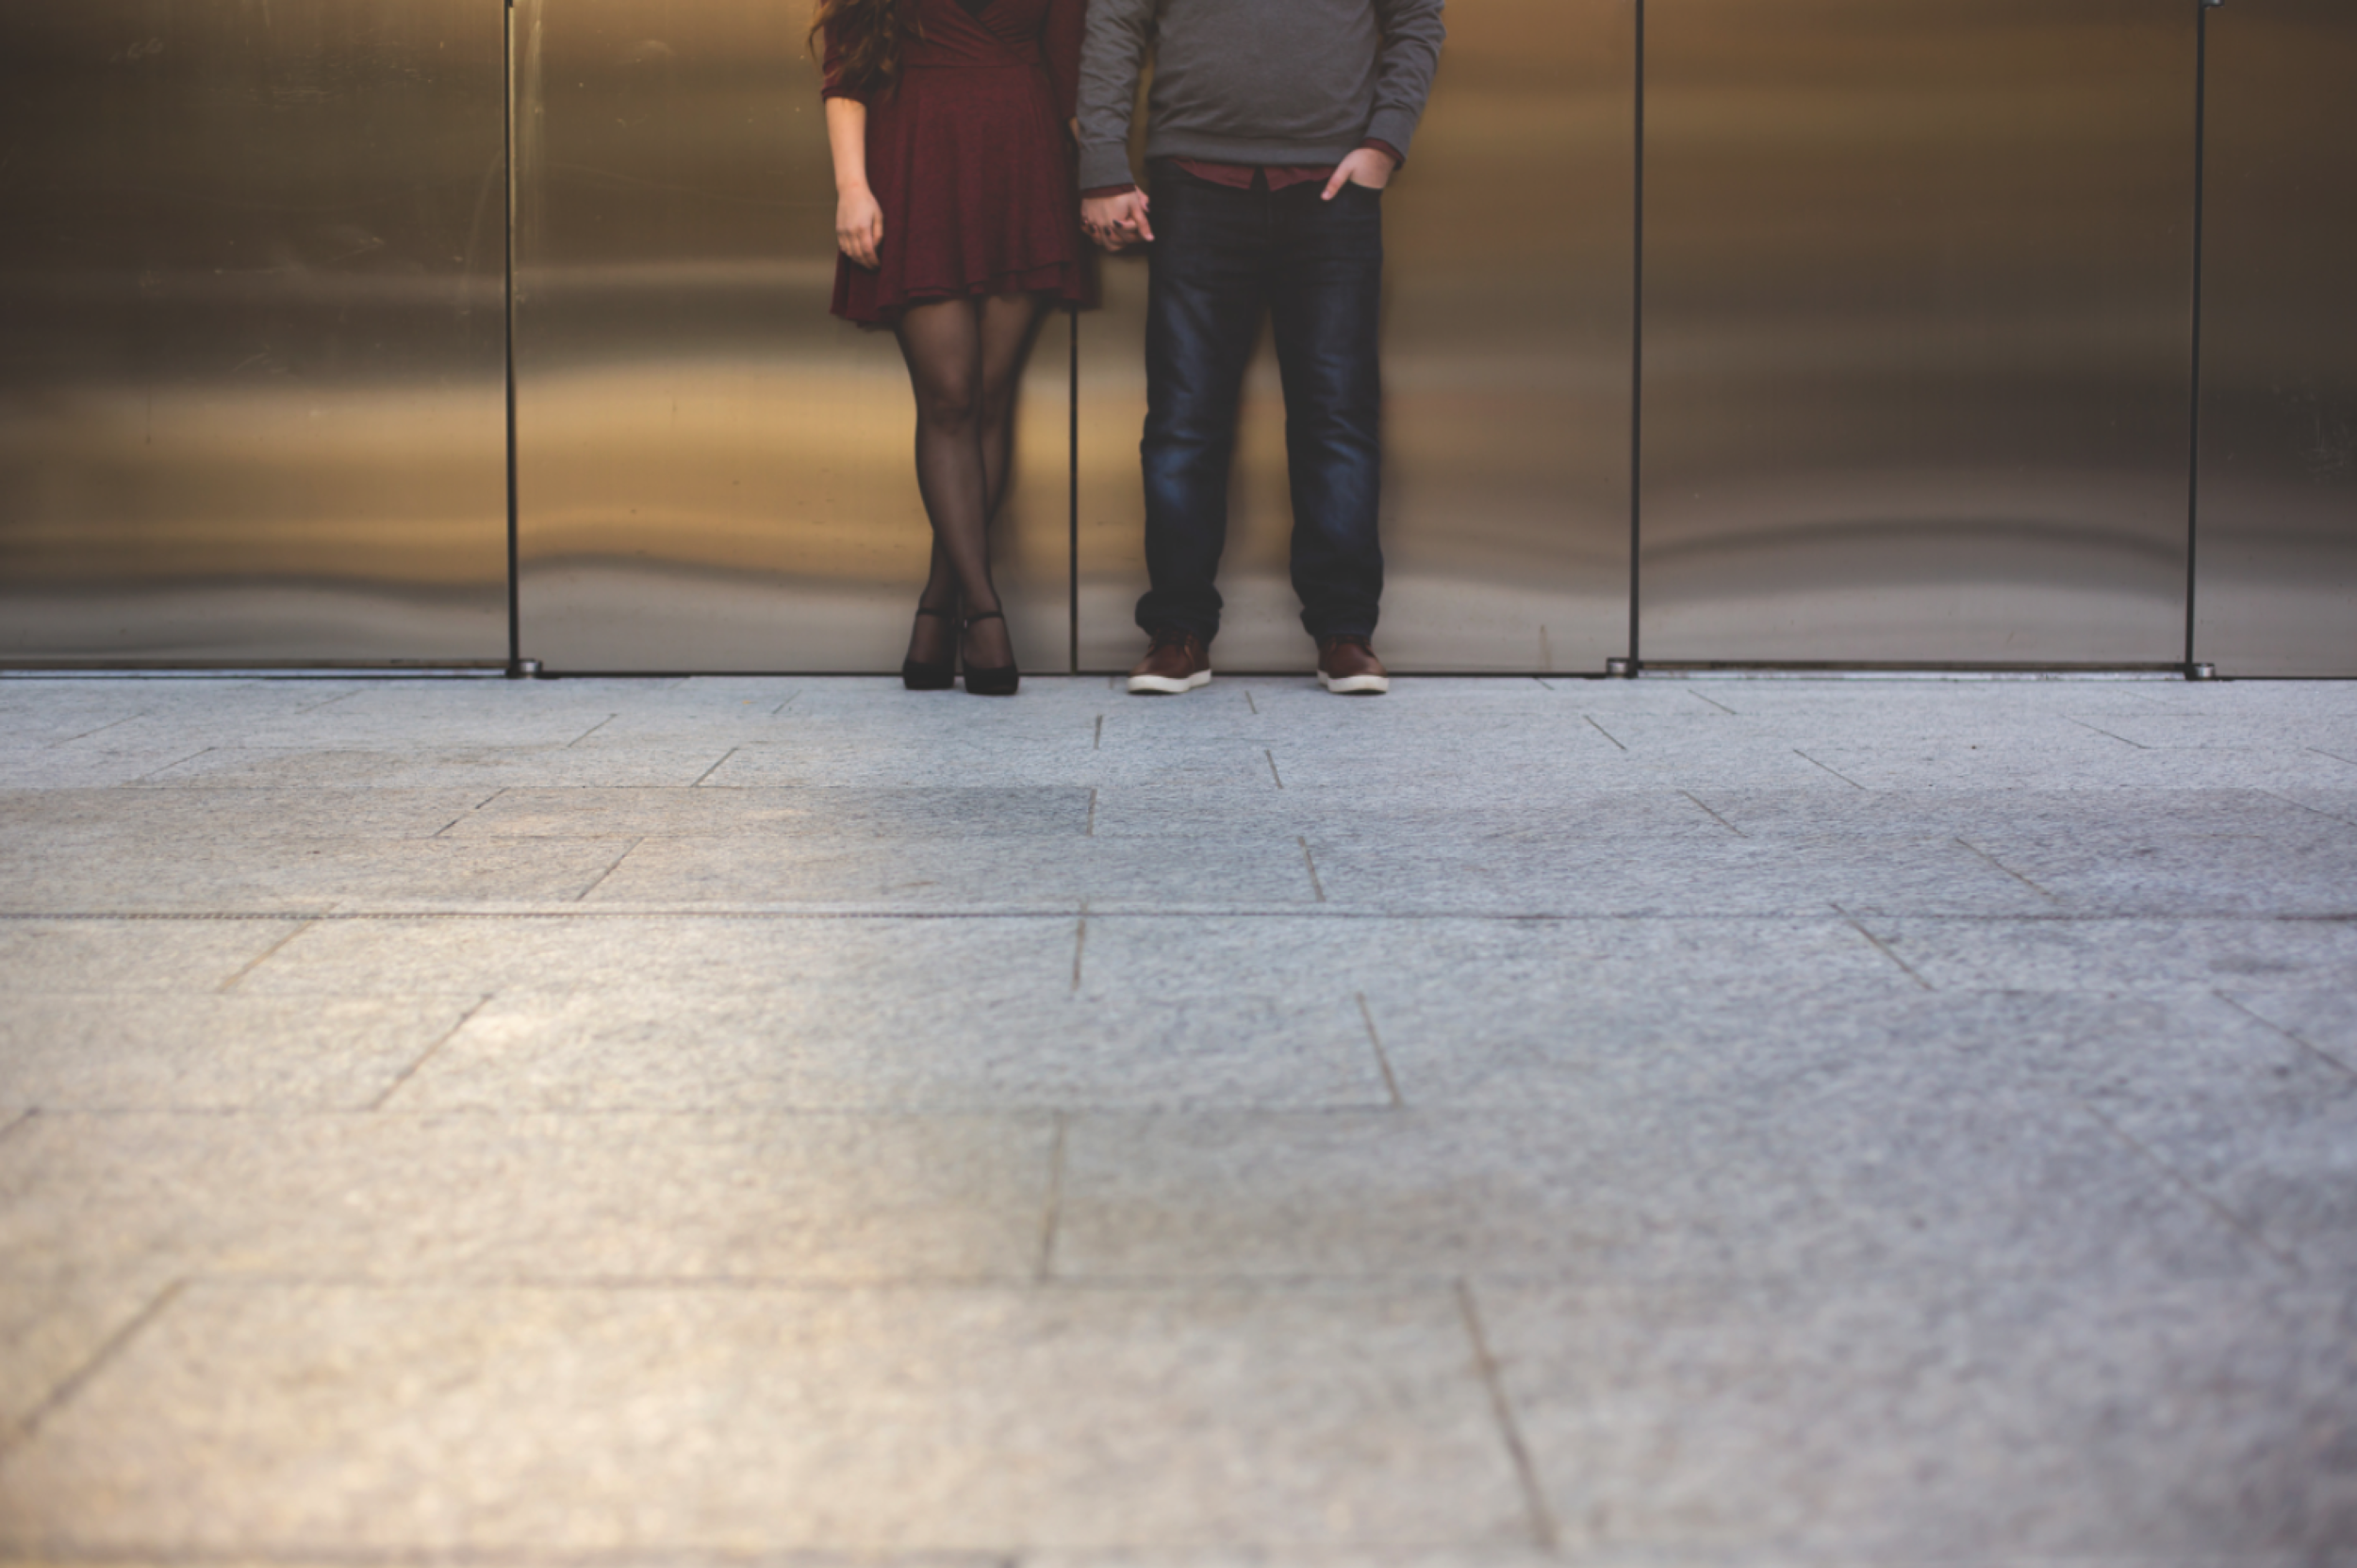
x=858, y=221
x=859, y=226
x=1117, y=223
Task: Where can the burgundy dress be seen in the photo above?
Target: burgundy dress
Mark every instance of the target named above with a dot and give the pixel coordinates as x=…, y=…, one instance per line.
x=969, y=156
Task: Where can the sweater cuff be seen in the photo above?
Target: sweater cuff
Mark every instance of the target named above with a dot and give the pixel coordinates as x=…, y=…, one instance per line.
x=1103, y=165
x=1377, y=144
x=1396, y=128
x=1104, y=191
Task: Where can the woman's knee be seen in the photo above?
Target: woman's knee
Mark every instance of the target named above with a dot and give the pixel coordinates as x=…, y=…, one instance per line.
x=950, y=401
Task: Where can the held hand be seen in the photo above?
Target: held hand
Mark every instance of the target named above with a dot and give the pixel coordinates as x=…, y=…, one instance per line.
x=1365, y=167
x=859, y=226
x=1117, y=223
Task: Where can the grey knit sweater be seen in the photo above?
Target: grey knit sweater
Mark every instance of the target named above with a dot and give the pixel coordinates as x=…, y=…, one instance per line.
x=1254, y=82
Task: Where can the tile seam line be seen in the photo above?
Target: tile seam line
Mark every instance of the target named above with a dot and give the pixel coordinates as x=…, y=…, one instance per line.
x=1277, y=911
x=1436, y=1284
x=1544, y=1533
x=1017, y=1279
x=230, y=985
x=2001, y=865
x=2202, y=1197
x=62, y=1394
x=1880, y=947
x=295, y=1555
x=1006, y=1116
x=400, y=1080
x=2329, y=817
x=1051, y=1223
x=1382, y=1057
x=842, y=1554
x=2292, y=1035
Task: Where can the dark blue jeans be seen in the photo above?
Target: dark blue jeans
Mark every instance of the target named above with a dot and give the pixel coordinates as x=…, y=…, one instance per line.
x=1221, y=258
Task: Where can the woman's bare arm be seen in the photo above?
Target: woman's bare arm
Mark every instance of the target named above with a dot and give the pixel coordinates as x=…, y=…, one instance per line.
x=858, y=221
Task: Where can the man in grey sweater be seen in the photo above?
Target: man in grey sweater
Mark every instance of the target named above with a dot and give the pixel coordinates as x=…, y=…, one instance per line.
x=1273, y=127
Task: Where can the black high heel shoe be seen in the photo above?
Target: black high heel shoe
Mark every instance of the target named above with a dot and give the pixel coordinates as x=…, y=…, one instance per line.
x=932, y=677
x=1000, y=681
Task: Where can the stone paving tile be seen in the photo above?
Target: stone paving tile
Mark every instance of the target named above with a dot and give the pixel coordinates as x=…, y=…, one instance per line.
x=533, y=1199
x=57, y=1317
x=743, y=1420
x=117, y=1050
x=1688, y=1164
x=2237, y=854
x=1302, y=1557
x=2262, y=1126
x=894, y=815
x=2025, y=1421
x=138, y=820
x=2238, y=1111
x=2152, y=851
x=2243, y=731
x=486, y=767
x=870, y=697
x=54, y=713
x=1629, y=753
x=718, y=955
x=1712, y=872
x=91, y=764
x=1139, y=955
x=1570, y=1193
x=294, y=873
x=1248, y=870
x=2324, y=1021
x=355, y=725
x=2126, y=954
x=1198, y=810
x=2057, y=762
x=1560, y=1038
x=2339, y=802
x=971, y=1043
x=1070, y=756
x=1936, y=1163
x=137, y=956
x=1878, y=1122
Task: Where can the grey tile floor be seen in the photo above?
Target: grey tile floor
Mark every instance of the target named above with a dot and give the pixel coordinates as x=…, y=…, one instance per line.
x=794, y=1121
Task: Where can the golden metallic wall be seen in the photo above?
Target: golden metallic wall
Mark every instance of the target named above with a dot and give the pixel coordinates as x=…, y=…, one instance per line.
x=1918, y=347
x=2276, y=554
x=252, y=333
x=1918, y=335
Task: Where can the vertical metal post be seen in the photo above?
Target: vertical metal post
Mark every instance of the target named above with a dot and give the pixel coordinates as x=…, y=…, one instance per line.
x=515, y=605
x=2195, y=671
x=1071, y=497
x=1637, y=371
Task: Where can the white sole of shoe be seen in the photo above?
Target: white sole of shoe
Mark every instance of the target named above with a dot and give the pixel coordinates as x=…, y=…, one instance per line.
x=1162, y=686
x=1356, y=685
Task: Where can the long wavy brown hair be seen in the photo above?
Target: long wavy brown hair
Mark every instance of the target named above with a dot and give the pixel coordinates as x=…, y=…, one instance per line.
x=872, y=34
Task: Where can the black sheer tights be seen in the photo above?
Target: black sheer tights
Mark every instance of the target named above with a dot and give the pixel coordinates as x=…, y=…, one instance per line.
x=964, y=357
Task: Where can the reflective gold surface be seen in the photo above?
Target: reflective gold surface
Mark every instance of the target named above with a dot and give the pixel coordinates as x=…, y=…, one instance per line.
x=713, y=472
x=250, y=333
x=2275, y=550
x=1506, y=371
x=1919, y=287
x=1918, y=331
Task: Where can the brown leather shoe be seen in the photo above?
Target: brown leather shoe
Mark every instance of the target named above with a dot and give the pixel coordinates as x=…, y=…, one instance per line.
x=1179, y=662
x=1347, y=667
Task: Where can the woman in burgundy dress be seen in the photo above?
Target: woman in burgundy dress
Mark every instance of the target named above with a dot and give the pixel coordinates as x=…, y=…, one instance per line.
x=959, y=225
